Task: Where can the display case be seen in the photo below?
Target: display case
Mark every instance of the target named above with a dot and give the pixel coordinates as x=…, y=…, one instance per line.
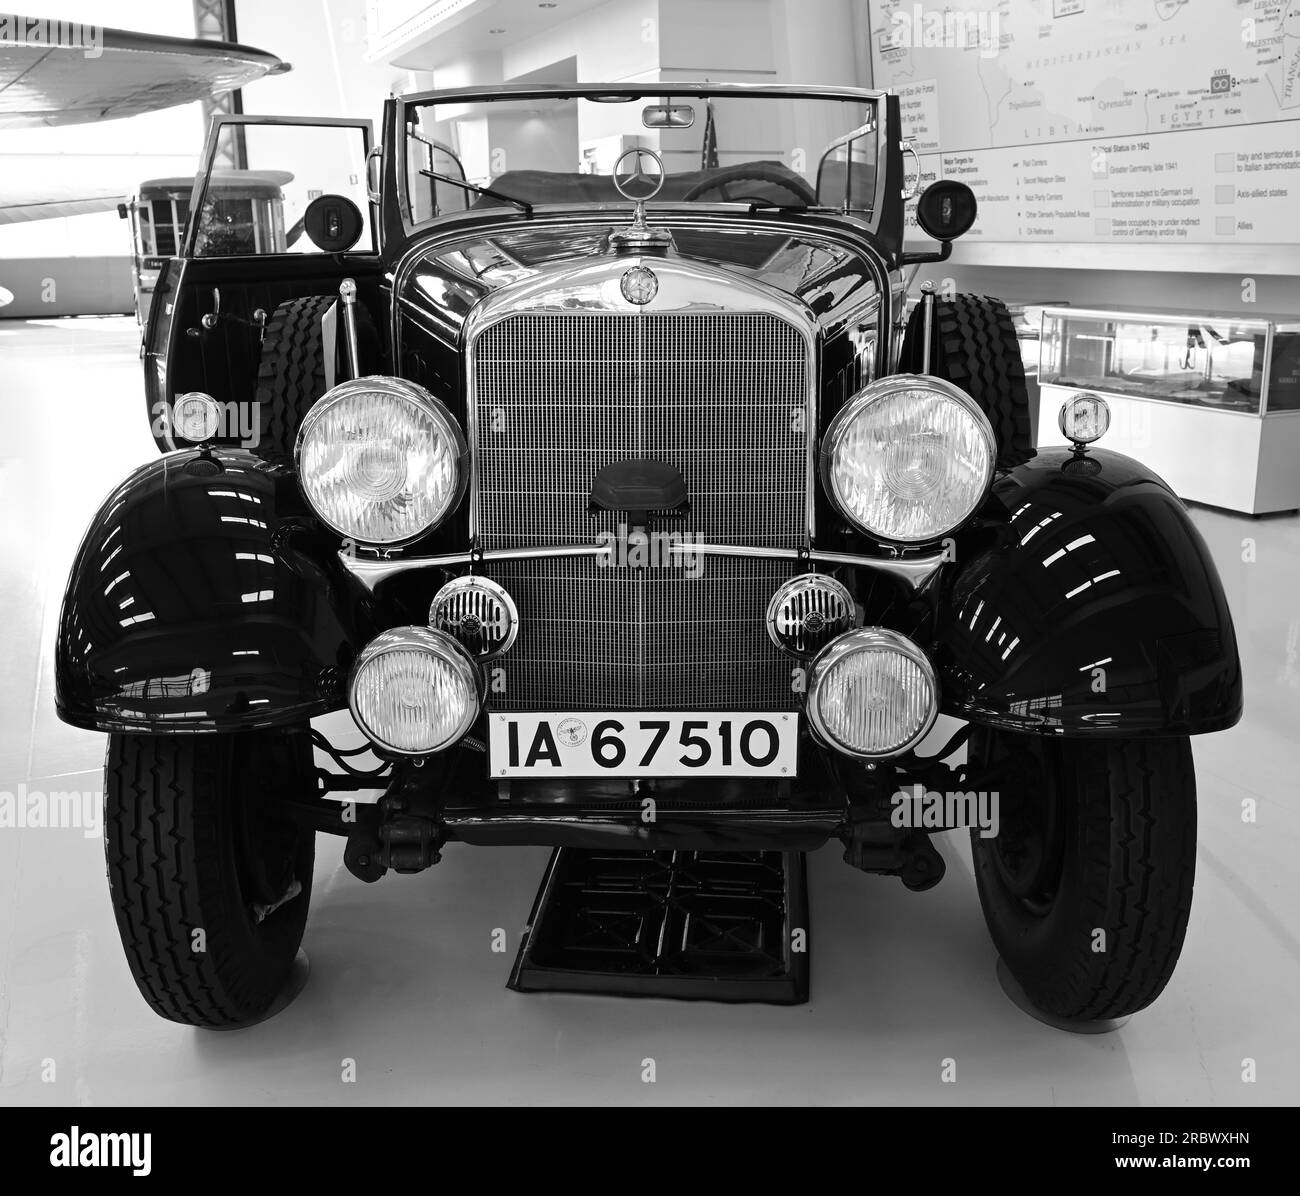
x=1210, y=402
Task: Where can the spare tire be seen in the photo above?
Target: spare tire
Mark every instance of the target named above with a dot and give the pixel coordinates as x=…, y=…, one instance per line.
x=291, y=375
x=973, y=345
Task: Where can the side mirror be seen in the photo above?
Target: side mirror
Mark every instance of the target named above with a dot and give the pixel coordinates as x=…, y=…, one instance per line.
x=121, y=211
x=946, y=209
x=333, y=223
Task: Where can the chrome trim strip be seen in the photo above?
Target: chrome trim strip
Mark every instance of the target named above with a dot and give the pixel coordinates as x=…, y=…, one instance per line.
x=372, y=572
x=916, y=571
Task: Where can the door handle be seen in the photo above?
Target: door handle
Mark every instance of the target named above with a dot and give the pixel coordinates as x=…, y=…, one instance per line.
x=209, y=321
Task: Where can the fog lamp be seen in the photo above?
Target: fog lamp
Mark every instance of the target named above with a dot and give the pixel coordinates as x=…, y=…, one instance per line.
x=872, y=693
x=414, y=690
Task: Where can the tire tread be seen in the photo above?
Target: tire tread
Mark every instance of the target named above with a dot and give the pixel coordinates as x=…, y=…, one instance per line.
x=1135, y=822
x=167, y=876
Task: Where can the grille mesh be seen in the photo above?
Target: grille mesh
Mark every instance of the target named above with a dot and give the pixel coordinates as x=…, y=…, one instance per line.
x=721, y=396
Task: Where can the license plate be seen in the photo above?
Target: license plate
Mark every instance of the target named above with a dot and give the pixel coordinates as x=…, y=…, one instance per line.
x=662, y=744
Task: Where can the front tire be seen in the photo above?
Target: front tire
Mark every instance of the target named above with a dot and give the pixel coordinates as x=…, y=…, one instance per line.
x=1087, y=887
x=210, y=878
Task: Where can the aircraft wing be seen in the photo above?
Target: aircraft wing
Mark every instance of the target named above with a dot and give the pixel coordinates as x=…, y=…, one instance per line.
x=14, y=211
x=120, y=74
x=42, y=186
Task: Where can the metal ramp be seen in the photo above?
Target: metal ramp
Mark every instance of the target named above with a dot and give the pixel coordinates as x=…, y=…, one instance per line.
x=692, y=925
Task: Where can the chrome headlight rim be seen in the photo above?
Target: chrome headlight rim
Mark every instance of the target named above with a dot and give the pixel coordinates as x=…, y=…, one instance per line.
x=791, y=587
x=866, y=639
x=875, y=392
x=406, y=391
x=496, y=590
x=419, y=639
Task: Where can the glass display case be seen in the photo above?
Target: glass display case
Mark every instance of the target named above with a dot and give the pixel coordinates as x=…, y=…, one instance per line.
x=1250, y=365
x=1179, y=381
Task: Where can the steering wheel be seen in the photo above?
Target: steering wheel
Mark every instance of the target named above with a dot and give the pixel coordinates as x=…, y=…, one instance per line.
x=762, y=172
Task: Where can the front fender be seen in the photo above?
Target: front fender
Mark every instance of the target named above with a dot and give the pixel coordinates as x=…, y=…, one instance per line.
x=1084, y=602
x=205, y=597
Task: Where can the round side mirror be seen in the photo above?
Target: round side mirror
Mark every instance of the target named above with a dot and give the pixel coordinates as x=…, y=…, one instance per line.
x=333, y=222
x=946, y=209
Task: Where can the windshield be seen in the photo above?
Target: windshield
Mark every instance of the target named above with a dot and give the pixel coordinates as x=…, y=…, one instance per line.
x=769, y=150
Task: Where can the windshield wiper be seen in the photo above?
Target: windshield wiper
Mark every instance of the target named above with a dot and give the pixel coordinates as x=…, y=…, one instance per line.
x=771, y=205
x=522, y=205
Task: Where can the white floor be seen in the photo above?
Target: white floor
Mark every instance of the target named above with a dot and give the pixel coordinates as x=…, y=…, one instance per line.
x=404, y=980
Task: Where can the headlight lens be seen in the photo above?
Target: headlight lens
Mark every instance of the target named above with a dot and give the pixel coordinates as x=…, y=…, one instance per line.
x=414, y=691
x=381, y=460
x=909, y=458
x=872, y=693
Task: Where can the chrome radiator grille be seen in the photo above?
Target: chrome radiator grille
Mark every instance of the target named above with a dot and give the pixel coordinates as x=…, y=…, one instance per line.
x=720, y=395
x=596, y=638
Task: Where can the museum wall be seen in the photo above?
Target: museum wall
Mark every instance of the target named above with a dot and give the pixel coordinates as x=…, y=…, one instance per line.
x=1183, y=203
x=346, y=61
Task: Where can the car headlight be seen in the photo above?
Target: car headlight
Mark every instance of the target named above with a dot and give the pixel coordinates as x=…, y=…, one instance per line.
x=414, y=690
x=872, y=693
x=381, y=460
x=909, y=458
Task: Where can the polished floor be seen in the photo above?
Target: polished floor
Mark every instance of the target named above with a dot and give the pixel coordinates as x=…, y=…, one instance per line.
x=404, y=979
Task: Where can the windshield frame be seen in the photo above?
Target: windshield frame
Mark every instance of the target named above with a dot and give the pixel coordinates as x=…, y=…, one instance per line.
x=208, y=165
x=654, y=92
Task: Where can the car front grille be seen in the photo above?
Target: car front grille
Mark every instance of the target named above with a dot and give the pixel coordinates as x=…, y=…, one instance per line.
x=722, y=396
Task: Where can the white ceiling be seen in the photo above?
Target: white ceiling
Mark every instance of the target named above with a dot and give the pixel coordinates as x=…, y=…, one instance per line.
x=468, y=30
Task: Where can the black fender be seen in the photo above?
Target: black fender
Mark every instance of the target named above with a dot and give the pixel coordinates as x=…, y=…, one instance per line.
x=206, y=597
x=1084, y=602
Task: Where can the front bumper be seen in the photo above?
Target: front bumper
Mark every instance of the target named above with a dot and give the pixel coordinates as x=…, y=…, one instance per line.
x=689, y=814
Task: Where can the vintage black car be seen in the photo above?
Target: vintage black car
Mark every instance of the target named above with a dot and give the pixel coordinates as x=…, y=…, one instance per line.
x=581, y=443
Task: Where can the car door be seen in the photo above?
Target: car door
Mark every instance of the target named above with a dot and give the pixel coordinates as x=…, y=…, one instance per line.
x=247, y=250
